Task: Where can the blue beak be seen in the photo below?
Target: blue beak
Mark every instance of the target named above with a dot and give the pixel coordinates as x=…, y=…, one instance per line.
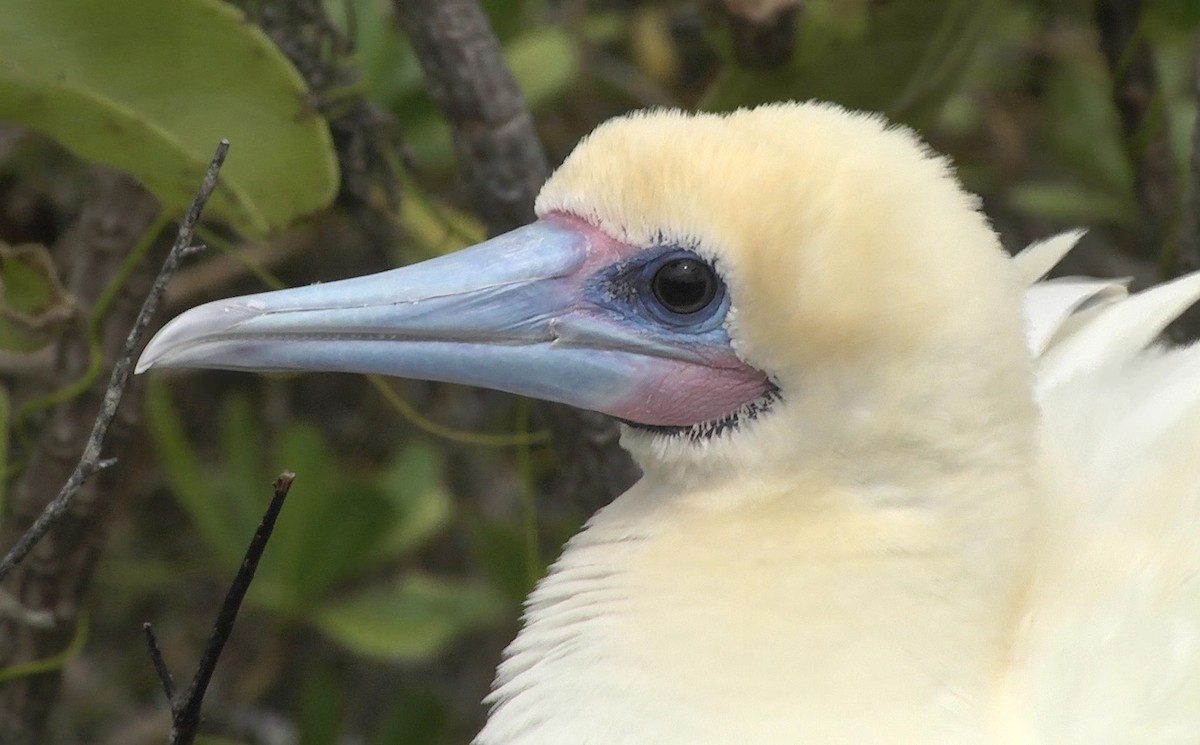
x=511, y=313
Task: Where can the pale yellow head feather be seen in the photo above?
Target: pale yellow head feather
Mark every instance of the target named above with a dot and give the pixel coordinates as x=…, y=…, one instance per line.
x=850, y=250
x=844, y=567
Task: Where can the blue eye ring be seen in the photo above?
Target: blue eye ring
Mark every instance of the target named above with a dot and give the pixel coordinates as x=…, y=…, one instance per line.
x=681, y=288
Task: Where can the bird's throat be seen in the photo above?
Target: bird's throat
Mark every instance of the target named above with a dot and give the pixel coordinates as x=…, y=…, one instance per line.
x=781, y=624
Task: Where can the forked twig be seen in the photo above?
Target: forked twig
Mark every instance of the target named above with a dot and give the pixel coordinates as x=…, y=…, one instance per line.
x=185, y=709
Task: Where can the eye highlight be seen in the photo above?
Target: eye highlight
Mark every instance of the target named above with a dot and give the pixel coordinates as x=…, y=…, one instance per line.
x=684, y=285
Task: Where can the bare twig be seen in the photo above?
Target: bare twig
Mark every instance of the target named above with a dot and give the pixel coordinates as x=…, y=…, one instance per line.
x=90, y=462
x=185, y=711
x=160, y=665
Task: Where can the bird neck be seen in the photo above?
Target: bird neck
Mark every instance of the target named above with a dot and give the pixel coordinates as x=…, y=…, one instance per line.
x=846, y=568
x=812, y=610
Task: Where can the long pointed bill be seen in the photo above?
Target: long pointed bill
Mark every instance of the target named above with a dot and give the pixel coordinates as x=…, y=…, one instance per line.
x=509, y=313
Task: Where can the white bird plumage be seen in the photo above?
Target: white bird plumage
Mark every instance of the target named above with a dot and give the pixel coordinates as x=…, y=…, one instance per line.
x=1108, y=650
x=957, y=504
x=867, y=602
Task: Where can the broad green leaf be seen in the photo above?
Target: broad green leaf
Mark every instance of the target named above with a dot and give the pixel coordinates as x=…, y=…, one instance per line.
x=150, y=87
x=34, y=306
x=412, y=620
x=900, y=57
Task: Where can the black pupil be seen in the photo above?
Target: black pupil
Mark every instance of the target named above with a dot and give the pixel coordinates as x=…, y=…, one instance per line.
x=684, y=285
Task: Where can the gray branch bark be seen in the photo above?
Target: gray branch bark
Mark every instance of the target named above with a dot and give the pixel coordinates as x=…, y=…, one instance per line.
x=503, y=163
x=498, y=151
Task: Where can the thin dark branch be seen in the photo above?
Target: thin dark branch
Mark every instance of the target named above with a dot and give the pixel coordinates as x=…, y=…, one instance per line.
x=90, y=462
x=187, y=711
x=466, y=75
x=160, y=665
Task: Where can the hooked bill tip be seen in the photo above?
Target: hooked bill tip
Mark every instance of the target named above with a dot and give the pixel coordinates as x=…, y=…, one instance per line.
x=192, y=328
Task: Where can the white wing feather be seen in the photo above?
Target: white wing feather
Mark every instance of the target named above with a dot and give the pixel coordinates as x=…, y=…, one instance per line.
x=1110, y=647
x=1040, y=257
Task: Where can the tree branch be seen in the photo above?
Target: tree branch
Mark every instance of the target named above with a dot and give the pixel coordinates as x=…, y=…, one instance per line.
x=185, y=710
x=466, y=75
x=90, y=461
x=160, y=665
x=503, y=163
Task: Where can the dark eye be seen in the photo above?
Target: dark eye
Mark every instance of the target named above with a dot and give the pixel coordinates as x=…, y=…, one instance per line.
x=684, y=285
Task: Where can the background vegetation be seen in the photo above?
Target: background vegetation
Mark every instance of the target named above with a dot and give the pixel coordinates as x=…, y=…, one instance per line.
x=421, y=513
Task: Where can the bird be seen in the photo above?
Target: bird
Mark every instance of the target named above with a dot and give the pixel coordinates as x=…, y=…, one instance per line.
x=897, y=487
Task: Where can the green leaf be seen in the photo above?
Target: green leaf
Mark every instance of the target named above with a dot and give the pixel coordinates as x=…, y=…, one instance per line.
x=412, y=620
x=545, y=62
x=197, y=493
x=413, y=487
x=902, y=57
x=1071, y=203
x=416, y=718
x=150, y=87
x=241, y=469
x=1082, y=128
x=319, y=711
x=500, y=548
x=34, y=306
x=1183, y=14
x=327, y=532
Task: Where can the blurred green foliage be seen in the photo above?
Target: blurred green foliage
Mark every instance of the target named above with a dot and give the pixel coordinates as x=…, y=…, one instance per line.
x=903, y=57
x=372, y=551
x=339, y=526
x=33, y=302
